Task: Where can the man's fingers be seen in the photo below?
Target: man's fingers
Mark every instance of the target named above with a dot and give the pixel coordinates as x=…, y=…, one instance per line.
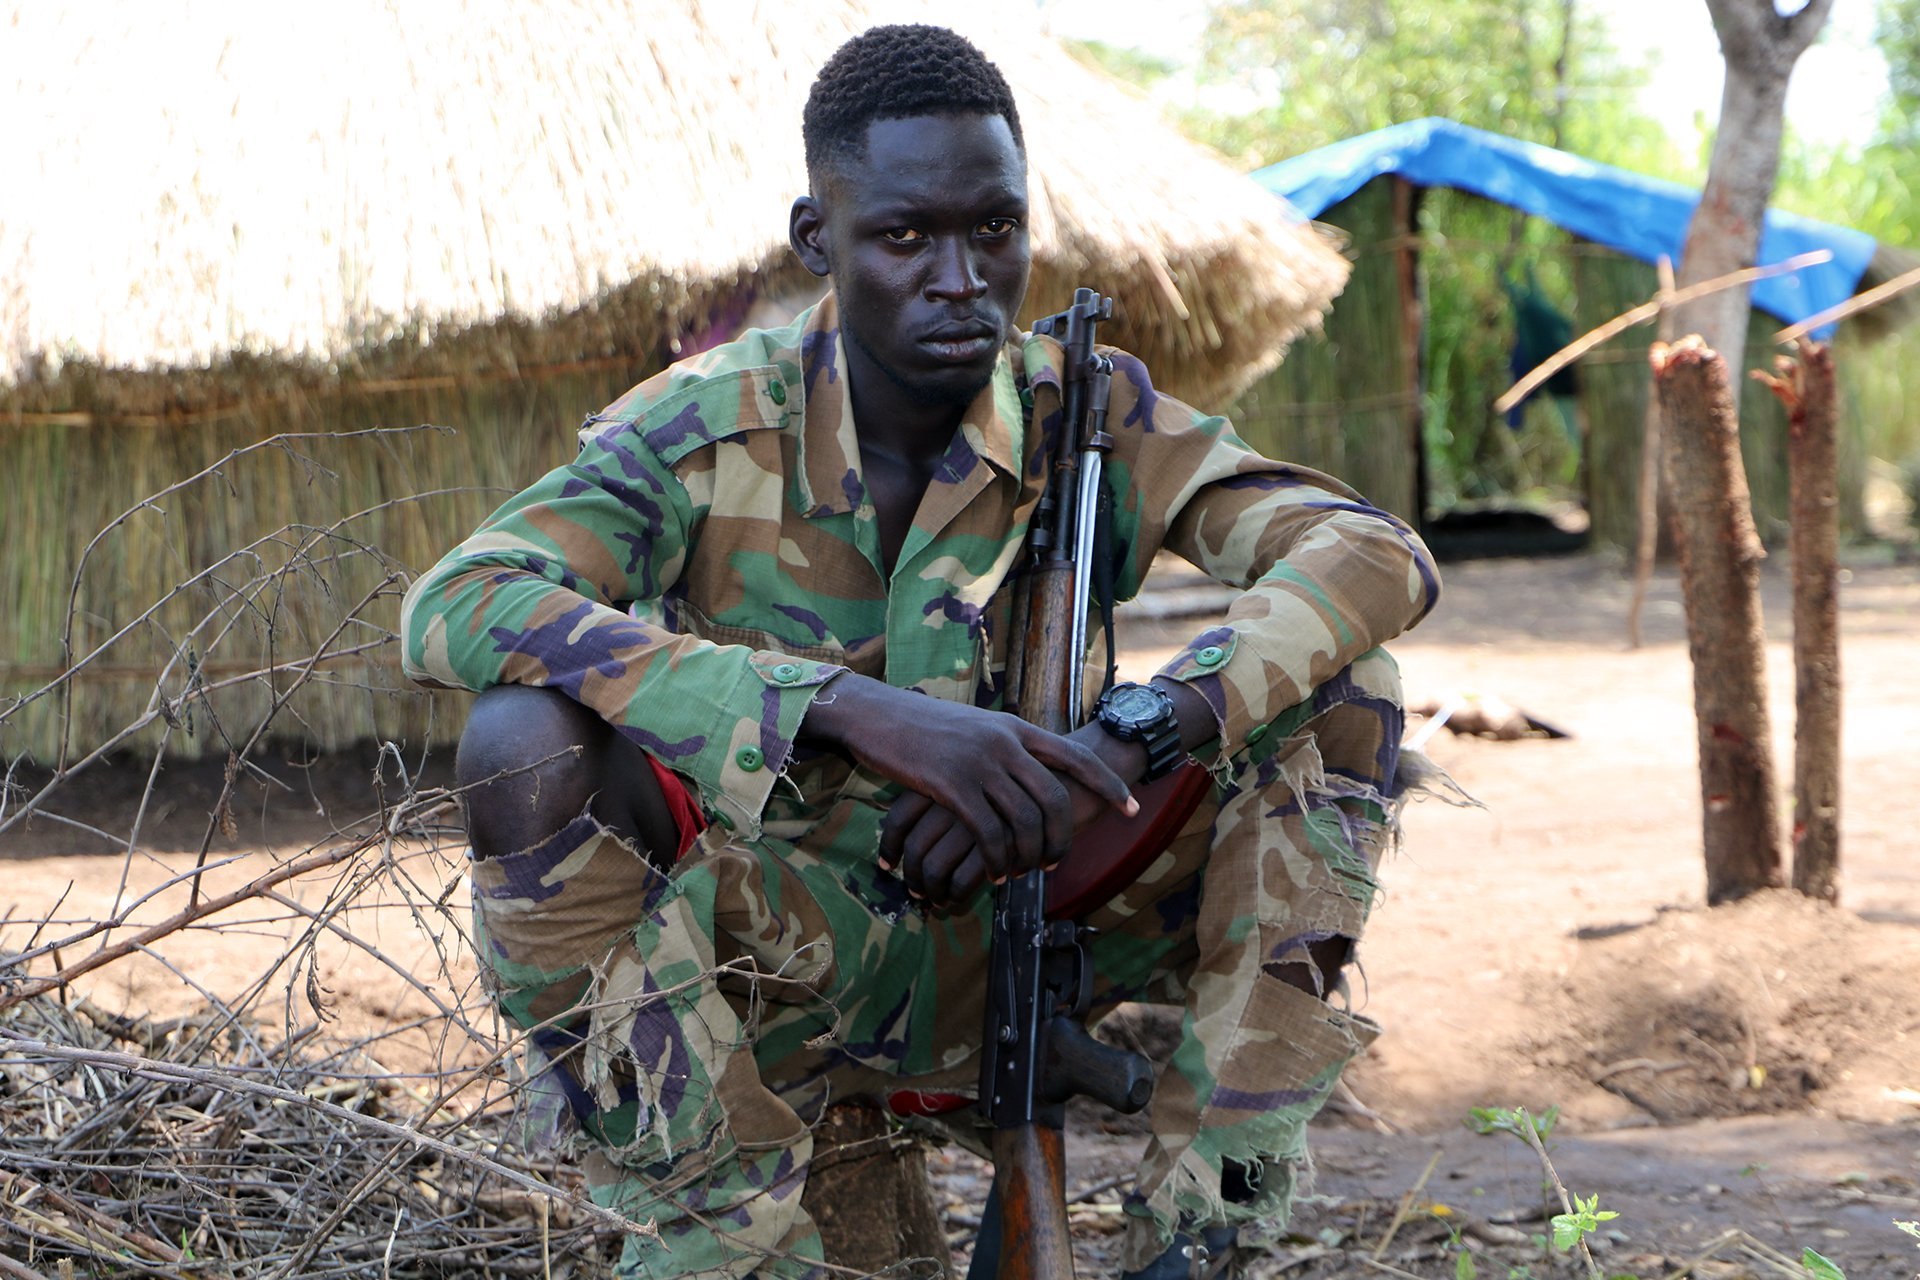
x=989, y=830
x=931, y=828
x=968, y=879
x=1032, y=806
x=1086, y=768
x=905, y=814
x=945, y=858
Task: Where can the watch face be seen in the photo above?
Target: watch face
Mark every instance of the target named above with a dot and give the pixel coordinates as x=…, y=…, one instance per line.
x=1136, y=704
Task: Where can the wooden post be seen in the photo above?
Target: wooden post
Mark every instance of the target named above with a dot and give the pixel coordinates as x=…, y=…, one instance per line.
x=1807, y=387
x=1647, y=537
x=1720, y=555
x=1413, y=327
x=869, y=1194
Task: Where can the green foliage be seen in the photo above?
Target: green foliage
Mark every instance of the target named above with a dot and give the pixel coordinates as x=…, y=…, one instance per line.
x=1298, y=74
x=1310, y=72
x=1897, y=32
x=1279, y=77
x=1570, y=1228
x=1820, y=1268
x=1513, y=1120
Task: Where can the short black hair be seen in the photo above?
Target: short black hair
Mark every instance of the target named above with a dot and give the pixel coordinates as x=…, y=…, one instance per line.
x=895, y=73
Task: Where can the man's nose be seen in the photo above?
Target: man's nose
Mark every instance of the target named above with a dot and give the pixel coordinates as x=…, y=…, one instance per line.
x=956, y=272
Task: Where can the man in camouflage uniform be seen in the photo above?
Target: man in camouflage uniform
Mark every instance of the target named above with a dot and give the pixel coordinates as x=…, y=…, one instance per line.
x=774, y=588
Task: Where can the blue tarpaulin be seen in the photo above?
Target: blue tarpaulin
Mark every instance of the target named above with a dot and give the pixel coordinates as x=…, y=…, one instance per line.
x=1636, y=215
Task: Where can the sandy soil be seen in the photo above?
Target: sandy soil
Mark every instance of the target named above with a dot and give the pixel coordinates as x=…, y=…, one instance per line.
x=1752, y=1070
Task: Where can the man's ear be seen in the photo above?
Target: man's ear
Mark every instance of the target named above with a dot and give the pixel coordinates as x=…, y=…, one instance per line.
x=807, y=233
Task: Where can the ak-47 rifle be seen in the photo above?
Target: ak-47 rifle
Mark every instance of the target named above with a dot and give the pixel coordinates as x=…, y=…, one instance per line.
x=1038, y=1052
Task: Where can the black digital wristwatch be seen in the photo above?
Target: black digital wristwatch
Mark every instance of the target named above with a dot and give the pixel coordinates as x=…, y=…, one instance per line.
x=1143, y=713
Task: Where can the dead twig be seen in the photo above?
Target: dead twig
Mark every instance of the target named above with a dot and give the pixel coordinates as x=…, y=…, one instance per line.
x=159, y=1069
x=1405, y=1208
x=1852, y=306
x=1640, y=315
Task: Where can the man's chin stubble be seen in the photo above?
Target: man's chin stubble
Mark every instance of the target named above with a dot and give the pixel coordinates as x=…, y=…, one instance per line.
x=921, y=393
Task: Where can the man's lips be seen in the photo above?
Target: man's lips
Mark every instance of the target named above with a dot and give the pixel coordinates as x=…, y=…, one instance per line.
x=962, y=344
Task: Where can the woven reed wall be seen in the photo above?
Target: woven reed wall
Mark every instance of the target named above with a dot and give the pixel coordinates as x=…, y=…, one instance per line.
x=1337, y=403
x=296, y=555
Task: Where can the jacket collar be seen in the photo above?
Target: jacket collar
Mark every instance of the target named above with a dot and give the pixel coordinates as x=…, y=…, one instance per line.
x=990, y=430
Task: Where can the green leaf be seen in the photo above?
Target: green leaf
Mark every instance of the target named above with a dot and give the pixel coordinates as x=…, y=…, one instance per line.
x=1820, y=1268
x=1567, y=1229
x=1911, y=1228
x=1464, y=1268
x=1488, y=1120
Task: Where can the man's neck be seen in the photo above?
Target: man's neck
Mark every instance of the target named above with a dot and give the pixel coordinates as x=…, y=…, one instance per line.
x=890, y=422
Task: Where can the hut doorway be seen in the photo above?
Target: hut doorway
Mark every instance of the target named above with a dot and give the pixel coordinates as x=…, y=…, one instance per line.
x=1449, y=295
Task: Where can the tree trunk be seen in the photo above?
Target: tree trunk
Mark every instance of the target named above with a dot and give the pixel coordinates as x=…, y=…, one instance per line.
x=1720, y=557
x=1760, y=47
x=869, y=1194
x=1806, y=387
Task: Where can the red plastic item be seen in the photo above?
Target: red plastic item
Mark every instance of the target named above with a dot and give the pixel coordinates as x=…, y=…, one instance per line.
x=920, y=1102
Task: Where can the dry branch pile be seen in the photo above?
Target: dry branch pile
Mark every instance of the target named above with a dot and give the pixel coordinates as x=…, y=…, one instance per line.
x=335, y=1104
x=208, y=1152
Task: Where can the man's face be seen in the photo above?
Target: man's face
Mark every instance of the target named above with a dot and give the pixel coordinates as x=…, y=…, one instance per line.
x=925, y=236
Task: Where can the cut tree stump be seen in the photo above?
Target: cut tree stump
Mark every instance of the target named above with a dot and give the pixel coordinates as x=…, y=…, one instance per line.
x=1806, y=387
x=869, y=1193
x=1720, y=555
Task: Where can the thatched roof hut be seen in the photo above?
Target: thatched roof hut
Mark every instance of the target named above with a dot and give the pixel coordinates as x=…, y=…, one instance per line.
x=237, y=221
x=307, y=181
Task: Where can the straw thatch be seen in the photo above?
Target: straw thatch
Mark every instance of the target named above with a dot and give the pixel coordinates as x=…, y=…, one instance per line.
x=303, y=183
x=233, y=221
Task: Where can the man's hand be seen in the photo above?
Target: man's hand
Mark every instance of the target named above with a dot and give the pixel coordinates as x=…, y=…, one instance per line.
x=937, y=856
x=996, y=796
x=934, y=852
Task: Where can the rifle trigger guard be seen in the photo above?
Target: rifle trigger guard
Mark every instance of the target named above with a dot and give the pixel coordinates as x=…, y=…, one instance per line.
x=1071, y=939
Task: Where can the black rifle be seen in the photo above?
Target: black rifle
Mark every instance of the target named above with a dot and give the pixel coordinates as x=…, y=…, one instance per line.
x=1037, y=1051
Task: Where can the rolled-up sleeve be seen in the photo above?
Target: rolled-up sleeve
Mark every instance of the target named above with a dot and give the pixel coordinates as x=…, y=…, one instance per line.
x=1327, y=576
x=555, y=590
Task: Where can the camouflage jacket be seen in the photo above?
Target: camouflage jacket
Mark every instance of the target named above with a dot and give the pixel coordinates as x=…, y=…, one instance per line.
x=710, y=559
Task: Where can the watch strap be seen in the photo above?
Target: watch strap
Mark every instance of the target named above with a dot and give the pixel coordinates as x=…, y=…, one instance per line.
x=1160, y=736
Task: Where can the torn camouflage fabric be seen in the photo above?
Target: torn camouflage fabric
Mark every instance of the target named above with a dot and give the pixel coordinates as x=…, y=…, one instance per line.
x=704, y=566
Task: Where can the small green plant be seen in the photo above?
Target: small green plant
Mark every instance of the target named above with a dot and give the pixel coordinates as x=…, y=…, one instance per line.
x=1464, y=1267
x=1578, y=1218
x=1514, y=1120
x=1819, y=1267
x=1585, y=1219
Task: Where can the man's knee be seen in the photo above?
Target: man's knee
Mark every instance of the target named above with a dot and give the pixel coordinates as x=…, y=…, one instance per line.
x=530, y=759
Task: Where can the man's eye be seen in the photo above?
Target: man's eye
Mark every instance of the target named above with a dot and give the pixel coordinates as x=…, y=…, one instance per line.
x=902, y=235
x=997, y=227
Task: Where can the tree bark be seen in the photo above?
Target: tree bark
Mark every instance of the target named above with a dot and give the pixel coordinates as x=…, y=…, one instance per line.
x=1807, y=387
x=1760, y=47
x=869, y=1194
x=1720, y=557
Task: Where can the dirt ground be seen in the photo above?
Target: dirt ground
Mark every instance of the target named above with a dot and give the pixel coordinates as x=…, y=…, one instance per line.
x=1738, y=1084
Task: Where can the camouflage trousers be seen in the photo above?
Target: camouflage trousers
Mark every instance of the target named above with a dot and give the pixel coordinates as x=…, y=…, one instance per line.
x=683, y=1029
